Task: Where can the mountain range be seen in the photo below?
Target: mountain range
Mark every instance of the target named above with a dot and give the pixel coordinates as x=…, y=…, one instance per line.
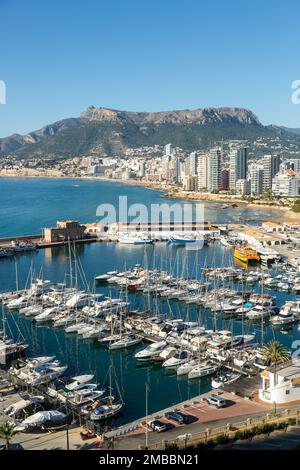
x=110, y=131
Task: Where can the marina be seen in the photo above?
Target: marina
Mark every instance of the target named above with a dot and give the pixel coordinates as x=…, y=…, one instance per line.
x=208, y=321
x=185, y=322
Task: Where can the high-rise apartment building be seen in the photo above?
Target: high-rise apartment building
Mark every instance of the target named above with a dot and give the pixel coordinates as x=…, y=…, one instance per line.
x=214, y=169
x=256, y=176
x=270, y=164
x=238, y=165
x=202, y=171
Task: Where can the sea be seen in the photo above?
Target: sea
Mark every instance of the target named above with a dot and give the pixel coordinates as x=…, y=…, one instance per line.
x=30, y=204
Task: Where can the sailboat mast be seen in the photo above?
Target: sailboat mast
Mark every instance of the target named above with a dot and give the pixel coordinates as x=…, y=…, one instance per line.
x=70, y=263
x=17, y=277
x=3, y=322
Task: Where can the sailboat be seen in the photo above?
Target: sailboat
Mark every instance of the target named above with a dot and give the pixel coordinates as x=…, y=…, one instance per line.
x=106, y=407
x=8, y=348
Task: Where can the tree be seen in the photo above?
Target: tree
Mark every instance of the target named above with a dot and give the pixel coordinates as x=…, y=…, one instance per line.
x=7, y=432
x=296, y=206
x=275, y=352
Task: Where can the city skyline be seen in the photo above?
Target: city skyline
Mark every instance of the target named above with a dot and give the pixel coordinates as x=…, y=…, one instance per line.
x=187, y=56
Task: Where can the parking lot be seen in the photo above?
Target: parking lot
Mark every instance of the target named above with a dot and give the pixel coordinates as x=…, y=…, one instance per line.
x=236, y=409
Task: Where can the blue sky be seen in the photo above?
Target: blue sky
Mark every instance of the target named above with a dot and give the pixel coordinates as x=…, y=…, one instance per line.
x=58, y=57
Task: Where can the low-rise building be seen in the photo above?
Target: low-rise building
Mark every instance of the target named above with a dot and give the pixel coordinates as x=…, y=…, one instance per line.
x=254, y=237
x=281, y=384
x=166, y=227
x=273, y=227
x=64, y=230
x=286, y=183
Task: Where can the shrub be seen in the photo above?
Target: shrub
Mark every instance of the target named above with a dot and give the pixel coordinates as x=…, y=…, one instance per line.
x=242, y=435
x=222, y=439
x=201, y=446
x=210, y=443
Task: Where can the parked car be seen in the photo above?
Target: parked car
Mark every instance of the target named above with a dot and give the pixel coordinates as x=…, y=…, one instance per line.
x=175, y=416
x=180, y=418
x=217, y=401
x=158, y=426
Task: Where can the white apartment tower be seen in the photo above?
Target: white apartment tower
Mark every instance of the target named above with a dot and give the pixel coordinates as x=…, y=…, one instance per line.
x=168, y=149
x=214, y=169
x=202, y=171
x=270, y=165
x=238, y=166
x=256, y=176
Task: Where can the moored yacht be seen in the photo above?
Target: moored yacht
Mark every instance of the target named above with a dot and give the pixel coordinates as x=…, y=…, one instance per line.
x=147, y=353
x=203, y=369
x=177, y=360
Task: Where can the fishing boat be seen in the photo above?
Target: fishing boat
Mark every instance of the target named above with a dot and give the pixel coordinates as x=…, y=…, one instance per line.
x=246, y=254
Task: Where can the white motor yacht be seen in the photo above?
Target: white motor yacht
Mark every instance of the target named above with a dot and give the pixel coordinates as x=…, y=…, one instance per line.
x=125, y=342
x=44, y=373
x=203, y=369
x=75, y=327
x=224, y=379
x=177, y=360
x=259, y=312
x=78, y=382
x=84, y=396
x=17, y=303
x=147, y=353
x=185, y=368
x=165, y=354
x=47, y=315
x=285, y=317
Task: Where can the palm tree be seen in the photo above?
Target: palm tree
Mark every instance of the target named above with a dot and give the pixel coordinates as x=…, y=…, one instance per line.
x=275, y=353
x=7, y=431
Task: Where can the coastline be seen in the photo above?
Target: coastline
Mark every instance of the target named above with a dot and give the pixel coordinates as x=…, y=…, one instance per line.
x=167, y=191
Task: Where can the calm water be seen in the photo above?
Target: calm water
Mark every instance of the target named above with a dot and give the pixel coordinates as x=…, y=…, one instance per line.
x=29, y=204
